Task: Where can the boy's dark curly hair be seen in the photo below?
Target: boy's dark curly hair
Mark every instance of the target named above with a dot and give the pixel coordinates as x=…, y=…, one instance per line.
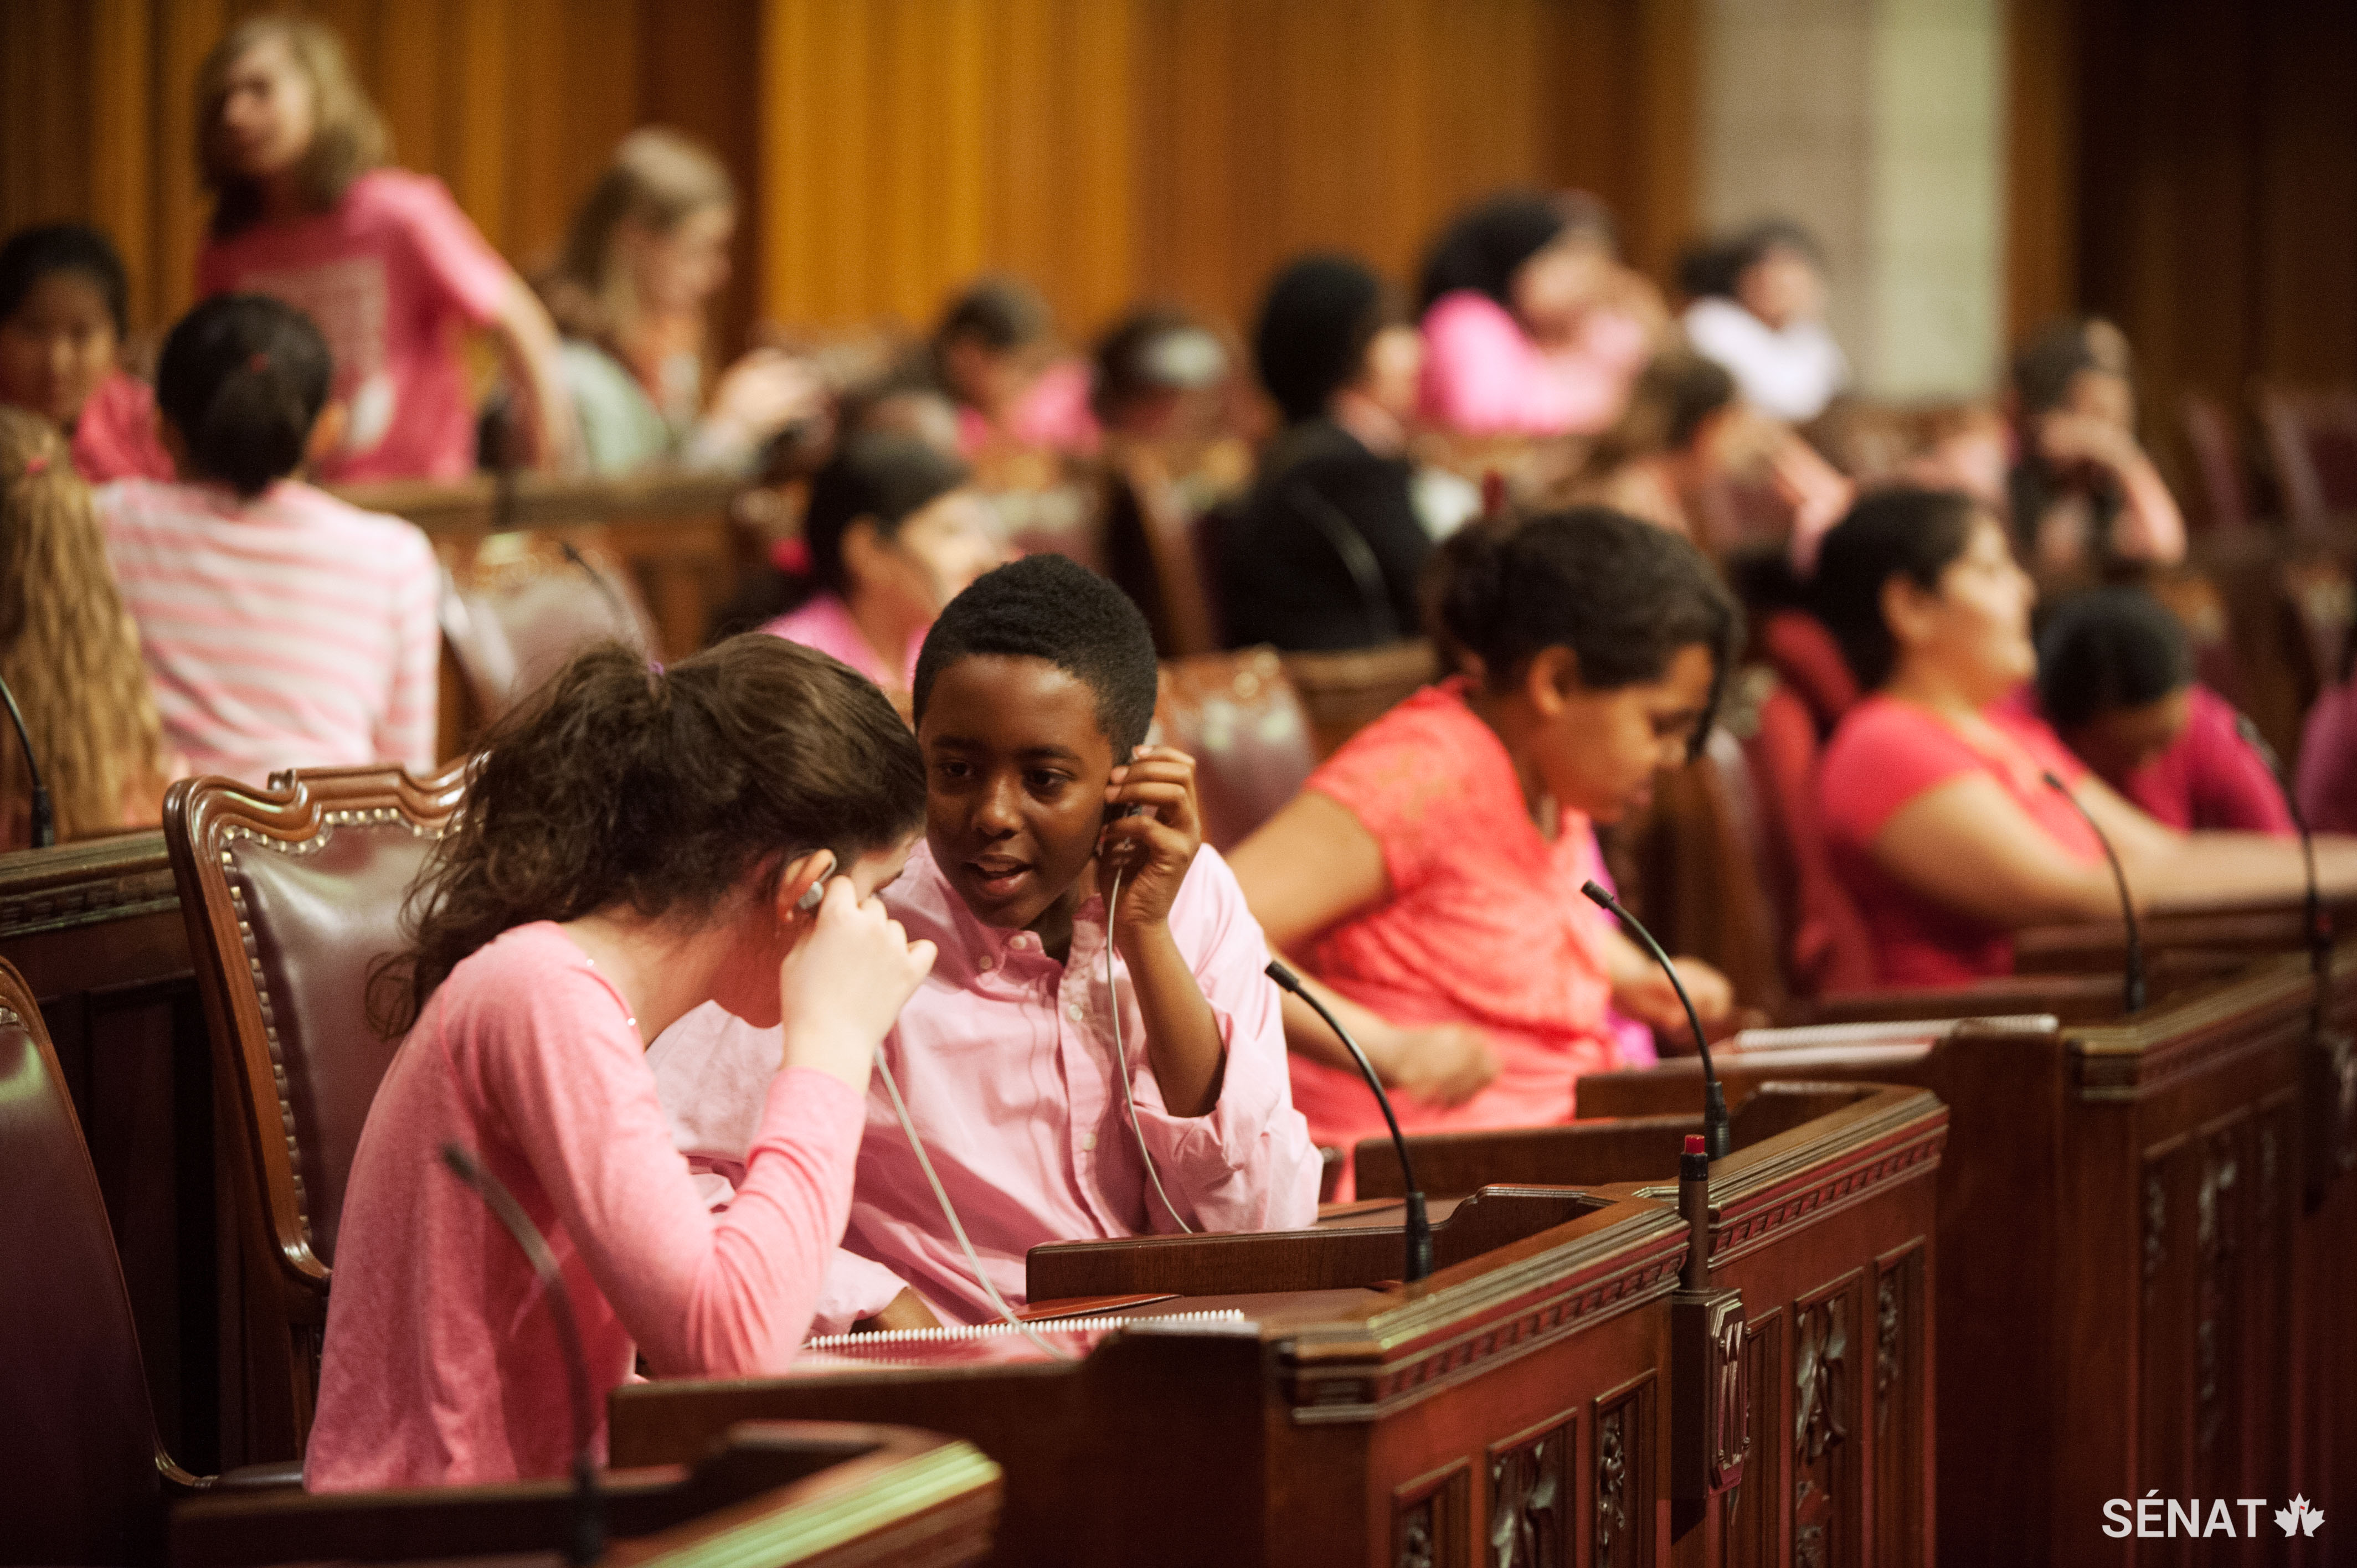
x=1052, y=608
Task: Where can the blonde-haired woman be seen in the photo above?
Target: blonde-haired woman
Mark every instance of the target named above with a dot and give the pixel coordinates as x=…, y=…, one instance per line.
x=647, y=251
x=381, y=258
x=69, y=651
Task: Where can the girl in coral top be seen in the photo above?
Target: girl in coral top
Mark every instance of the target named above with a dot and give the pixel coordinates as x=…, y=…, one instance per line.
x=1427, y=877
x=1938, y=813
x=637, y=844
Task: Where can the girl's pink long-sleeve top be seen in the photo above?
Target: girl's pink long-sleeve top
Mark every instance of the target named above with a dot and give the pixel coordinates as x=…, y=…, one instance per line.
x=442, y=1363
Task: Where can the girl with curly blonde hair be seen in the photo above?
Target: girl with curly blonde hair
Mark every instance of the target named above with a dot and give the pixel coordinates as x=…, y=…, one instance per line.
x=70, y=652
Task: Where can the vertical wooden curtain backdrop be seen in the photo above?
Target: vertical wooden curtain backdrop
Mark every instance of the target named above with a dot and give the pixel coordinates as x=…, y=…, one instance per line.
x=2191, y=171
x=1182, y=150
x=1109, y=149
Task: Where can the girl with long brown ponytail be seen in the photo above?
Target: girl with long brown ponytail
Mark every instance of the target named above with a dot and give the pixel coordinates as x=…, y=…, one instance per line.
x=70, y=652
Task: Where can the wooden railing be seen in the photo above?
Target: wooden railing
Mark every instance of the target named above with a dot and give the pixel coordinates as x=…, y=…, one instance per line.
x=671, y=530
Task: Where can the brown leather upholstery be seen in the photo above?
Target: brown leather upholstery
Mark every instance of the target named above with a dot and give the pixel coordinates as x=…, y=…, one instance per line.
x=515, y=606
x=2217, y=461
x=1343, y=692
x=290, y=895
x=1237, y=715
x=1150, y=547
x=2312, y=437
x=81, y=1478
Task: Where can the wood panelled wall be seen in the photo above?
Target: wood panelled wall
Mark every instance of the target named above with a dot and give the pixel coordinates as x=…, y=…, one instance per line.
x=514, y=103
x=2190, y=170
x=1182, y=150
x=1109, y=149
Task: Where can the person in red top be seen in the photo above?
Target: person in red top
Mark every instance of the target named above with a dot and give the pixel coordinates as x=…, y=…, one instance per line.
x=62, y=322
x=1427, y=877
x=636, y=842
x=2115, y=680
x=381, y=259
x=1937, y=810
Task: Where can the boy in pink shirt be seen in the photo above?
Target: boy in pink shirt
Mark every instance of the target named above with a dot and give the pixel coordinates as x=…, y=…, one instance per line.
x=563, y=922
x=1032, y=683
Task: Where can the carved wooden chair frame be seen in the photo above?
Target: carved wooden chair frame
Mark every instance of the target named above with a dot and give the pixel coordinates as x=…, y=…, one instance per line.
x=201, y=818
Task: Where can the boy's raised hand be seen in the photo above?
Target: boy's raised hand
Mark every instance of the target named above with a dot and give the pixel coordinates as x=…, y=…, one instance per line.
x=844, y=983
x=1152, y=849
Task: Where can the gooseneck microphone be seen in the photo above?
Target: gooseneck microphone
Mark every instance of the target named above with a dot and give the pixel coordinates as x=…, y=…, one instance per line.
x=588, y=1541
x=1418, y=1227
x=1718, y=1137
x=44, y=822
x=2133, y=993
x=2320, y=931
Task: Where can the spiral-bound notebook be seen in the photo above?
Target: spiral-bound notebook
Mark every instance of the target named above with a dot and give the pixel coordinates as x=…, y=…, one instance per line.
x=996, y=1344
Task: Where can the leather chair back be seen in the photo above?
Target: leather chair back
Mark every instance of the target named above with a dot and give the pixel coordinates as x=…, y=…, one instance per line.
x=515, y=606
x=1344, y=692
x=2312, y=437
x=1150, y=548
x=291, y=895
x=2218, y=459
x=81, y=1478
x=1237, y=715
x=1824, y=946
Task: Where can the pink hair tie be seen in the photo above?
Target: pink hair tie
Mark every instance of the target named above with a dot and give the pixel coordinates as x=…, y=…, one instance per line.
x=38, y=463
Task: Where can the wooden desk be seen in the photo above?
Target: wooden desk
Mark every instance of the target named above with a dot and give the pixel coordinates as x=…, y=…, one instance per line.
x=2138, y=1283
x=766, y=1494
x=95, y=928
x=2229, y=932
x=1520, y=1395
x=1828, y=1479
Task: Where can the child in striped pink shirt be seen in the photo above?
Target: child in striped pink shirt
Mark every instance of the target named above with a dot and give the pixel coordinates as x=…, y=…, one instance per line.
x=281, y=628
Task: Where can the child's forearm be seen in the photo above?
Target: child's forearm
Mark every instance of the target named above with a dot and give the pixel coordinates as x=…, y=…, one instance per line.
x=528, y=339
x=1182, y=1038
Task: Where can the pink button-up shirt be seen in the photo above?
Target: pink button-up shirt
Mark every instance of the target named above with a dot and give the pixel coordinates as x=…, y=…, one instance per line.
x=1005, y=1058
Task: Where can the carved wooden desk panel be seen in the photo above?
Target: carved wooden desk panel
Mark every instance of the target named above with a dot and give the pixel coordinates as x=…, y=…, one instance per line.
x=1511, y=1409
x=2137, y=1278
x=1825, y=1217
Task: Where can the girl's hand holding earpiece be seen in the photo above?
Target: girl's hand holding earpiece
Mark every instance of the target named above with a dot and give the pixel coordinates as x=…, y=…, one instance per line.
x=844, y=983
x=1152, y=849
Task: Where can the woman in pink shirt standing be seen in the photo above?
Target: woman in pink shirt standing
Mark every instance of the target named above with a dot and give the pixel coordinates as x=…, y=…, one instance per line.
x=892, y=533
x=635, y=844
x=381, y=258
x=1531, y=327
x=1428, y=875
x=1939, y=814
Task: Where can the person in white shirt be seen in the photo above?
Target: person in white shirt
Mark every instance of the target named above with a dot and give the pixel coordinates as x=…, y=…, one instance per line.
x=1759, y=310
